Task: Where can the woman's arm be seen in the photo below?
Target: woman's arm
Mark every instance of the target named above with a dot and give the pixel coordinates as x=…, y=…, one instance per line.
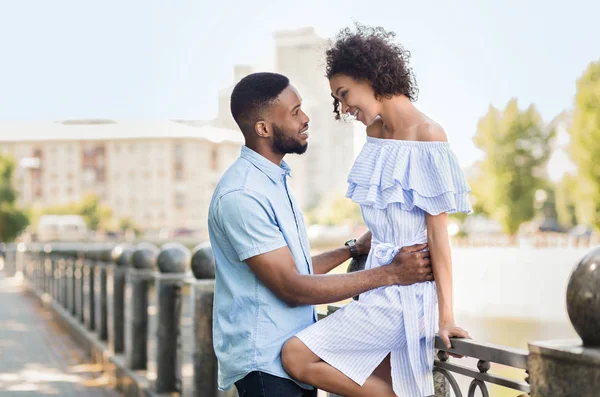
x=327, y=261
x=441, y=259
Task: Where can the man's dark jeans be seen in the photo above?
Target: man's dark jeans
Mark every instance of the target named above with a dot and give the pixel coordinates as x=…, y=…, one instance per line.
x=260, y=384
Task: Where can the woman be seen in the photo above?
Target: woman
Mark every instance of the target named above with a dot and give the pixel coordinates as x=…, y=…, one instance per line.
x=406, y=180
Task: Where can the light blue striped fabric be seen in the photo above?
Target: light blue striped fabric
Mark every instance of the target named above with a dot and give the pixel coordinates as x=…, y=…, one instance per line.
x=396, y=183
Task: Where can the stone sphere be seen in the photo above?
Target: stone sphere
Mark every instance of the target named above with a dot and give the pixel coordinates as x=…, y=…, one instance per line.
x=91, y=252
x=144, y=256
x=105, y=253
x=203, y=262
x=121, y=254
x=74, y=250
x=174, y=258
x=70, y=250
x=583, y=298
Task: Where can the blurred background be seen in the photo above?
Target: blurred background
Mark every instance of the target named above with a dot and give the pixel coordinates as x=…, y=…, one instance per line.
x=115, y=125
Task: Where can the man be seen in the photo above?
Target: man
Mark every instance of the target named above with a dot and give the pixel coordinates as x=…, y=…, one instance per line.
x=266, y=281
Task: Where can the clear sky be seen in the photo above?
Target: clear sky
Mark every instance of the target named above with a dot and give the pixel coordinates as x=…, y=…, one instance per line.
x=150, y=59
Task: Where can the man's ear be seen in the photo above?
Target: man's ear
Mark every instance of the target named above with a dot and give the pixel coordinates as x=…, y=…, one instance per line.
x=261, y=128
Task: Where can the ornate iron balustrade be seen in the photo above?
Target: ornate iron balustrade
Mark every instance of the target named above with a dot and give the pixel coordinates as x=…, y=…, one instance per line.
x=486, y=354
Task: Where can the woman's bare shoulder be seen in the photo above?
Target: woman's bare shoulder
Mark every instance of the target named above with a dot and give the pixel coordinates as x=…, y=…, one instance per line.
x=430, y=131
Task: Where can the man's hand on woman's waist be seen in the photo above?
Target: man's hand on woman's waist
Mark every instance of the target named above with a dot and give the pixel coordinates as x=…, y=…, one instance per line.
x=411, y=265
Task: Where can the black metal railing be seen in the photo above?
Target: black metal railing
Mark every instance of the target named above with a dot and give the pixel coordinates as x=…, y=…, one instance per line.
x=151, y=309
x=142, y=305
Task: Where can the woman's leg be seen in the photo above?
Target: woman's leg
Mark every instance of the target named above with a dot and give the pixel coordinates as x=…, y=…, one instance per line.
x=305, y=366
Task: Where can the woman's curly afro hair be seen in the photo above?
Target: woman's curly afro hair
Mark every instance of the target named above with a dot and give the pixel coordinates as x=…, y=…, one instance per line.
x=370, y=53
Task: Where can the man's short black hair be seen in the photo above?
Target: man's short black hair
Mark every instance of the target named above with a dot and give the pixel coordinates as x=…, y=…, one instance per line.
x=253, y=95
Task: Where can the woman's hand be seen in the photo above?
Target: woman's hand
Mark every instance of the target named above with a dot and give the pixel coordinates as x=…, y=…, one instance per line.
x=448, y=331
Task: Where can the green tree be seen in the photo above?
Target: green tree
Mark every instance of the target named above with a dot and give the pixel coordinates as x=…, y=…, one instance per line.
x=566, y=201
x=128, y=224
x=335, y=209
x=12, y=219
x=517, y=146
x=585, y=144
x=96, y=215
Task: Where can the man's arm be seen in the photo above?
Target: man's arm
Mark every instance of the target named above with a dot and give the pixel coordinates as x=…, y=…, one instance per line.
x=247, y=220
x=277, y=270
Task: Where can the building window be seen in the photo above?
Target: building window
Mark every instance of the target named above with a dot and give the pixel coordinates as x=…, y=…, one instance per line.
x=100, y=175
x=36, y=176
x=89, y=176
x=178, y=157
x=179, y=200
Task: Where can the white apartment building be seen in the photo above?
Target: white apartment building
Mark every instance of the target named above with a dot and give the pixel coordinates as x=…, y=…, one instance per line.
x=161, y=174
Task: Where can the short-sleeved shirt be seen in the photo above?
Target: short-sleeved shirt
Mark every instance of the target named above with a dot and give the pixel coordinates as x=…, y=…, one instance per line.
x=253, y=212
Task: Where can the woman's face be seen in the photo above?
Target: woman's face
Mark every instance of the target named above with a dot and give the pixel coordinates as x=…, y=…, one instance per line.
x=357, y=98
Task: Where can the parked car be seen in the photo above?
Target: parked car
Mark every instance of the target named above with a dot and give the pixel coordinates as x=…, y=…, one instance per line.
x=61, y=228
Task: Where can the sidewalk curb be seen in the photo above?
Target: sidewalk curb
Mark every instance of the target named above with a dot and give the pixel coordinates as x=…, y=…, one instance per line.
x=128, y=382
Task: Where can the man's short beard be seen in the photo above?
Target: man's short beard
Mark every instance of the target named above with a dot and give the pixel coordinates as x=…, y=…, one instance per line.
x=284, y=145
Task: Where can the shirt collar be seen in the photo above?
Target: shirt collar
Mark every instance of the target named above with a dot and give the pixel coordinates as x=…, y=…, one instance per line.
x=267, y=167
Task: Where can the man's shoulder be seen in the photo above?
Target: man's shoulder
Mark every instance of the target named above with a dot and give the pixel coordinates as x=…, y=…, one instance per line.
x=238, y=188
x=235, y=189
x=238, y=196
x=240, y=176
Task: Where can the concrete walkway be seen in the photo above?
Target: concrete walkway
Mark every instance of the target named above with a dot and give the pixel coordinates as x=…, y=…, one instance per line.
x=37, y=358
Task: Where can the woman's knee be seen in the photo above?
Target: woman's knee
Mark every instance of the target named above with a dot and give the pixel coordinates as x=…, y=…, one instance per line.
x=293, y=359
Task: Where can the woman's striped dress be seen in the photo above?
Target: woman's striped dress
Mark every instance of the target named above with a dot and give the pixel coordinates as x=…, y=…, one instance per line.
x=396, y=183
